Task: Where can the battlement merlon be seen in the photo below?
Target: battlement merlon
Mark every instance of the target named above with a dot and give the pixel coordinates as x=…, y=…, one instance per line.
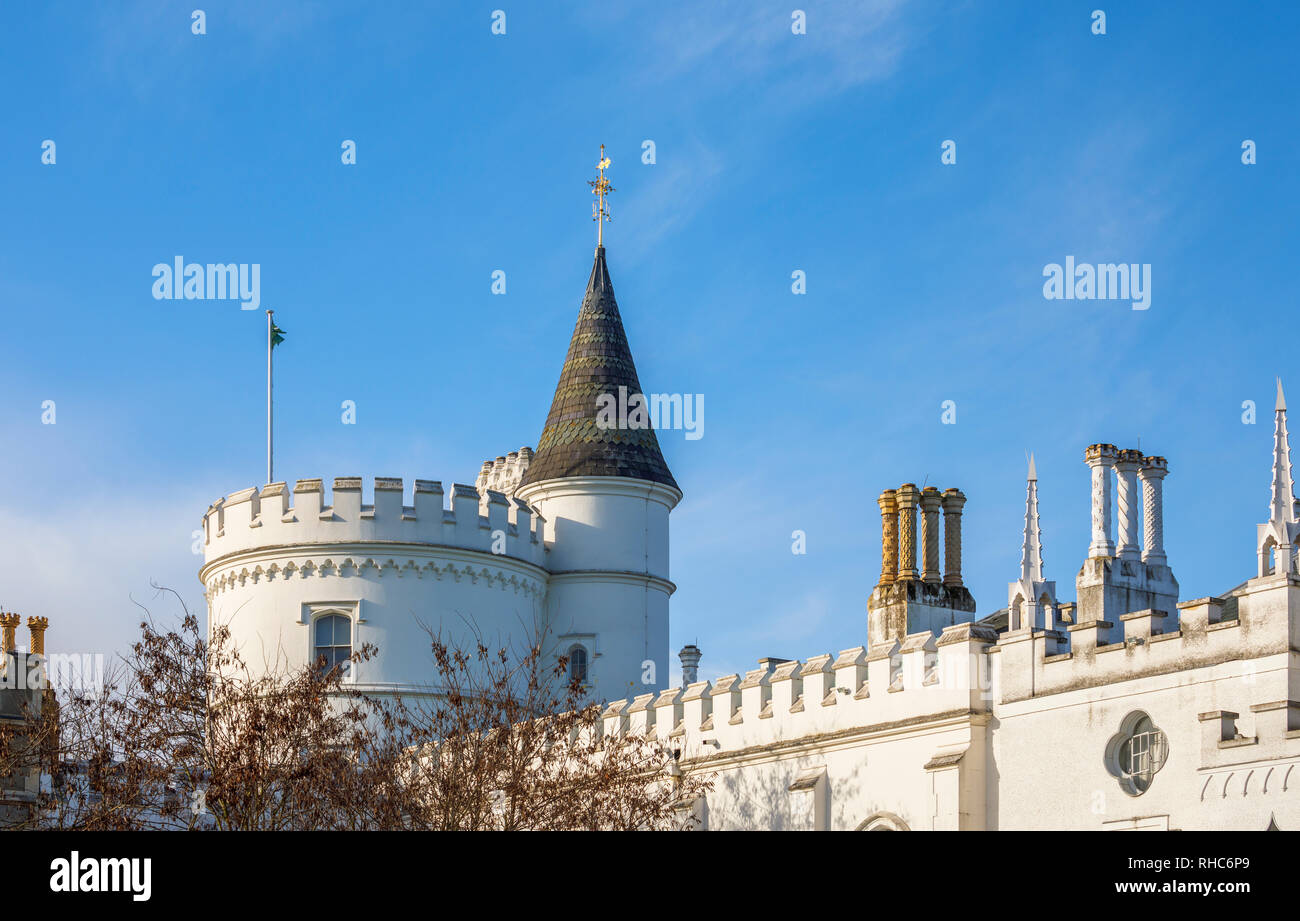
x=488, y=522
x=1257, y=627
x=504, y=474
x=943, y=678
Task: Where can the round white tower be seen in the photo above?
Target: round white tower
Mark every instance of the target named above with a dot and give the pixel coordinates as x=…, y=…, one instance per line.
x=297, y=581
x=605, y=494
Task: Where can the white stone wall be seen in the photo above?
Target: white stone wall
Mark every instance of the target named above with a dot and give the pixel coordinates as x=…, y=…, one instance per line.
x=1049, y=755
x=609, y=588
x=393, y=569
x=595, y=574
x=962, y=732
x=897, y=738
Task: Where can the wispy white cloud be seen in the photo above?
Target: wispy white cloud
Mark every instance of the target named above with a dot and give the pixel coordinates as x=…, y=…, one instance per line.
x=678, y=188
x=82, y=565
x=725, y=45
x=144, y=43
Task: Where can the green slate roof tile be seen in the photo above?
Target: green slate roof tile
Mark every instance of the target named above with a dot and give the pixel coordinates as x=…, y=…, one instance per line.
x=599, y=361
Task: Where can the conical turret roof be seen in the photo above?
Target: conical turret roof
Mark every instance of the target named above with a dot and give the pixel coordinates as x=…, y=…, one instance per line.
x=599, y=362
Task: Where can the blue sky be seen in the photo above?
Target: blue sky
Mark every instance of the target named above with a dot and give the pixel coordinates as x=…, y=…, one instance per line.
x=775, y=152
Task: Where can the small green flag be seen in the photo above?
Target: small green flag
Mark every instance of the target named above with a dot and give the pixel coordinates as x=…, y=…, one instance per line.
x=277, y=335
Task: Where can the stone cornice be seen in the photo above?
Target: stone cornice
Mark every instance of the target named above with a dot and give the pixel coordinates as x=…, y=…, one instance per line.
x=771, y=751
x=601, y=486
x=348, y=560
x=608, y=575
x=370, y=549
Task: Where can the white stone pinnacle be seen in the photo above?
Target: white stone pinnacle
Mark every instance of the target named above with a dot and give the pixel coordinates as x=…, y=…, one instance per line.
x=1031, y=555
x=1282, y=506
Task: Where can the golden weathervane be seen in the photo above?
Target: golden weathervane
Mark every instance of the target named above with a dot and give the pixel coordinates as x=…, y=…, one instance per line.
x=600, y=187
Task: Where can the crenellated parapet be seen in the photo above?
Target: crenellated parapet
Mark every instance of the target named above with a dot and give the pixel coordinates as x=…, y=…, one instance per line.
x=920, y=679
x=272, y=517
x=504, y=474
x=1252, y=624
x=385, y=573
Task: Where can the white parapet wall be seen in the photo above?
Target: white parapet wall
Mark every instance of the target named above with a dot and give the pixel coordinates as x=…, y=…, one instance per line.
x=895, y=739
x=609, y=589
x=254, y=518
x=1217, y=678
x=395, y=571
x=972, y=729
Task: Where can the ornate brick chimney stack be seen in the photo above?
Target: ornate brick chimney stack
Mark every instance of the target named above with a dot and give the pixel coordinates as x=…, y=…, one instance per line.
x=953, y=500
x=1111, y=583
x=1101, y=459
x=1127, y=465
x=888, y=536
x=25, y=695
x=908, y=499
x=931, y=500
x=36, y=626
x=907, y=599
x=1153, y=472
x=8, y=640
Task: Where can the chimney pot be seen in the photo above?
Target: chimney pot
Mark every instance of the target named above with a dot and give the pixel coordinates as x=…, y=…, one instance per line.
x=931, y=500
x=8, y=624
x=690, y=656
x=908, y=498
x=37, y=626
x=888, y=536
x=953, y=500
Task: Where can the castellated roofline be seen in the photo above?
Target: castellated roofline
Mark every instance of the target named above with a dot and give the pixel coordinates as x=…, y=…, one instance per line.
x=922, y=679
x=489, y=522
x=1251, y=623
x=963, y=674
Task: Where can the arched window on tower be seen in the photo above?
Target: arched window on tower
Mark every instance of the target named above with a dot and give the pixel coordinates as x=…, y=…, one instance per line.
x=1049, y=612
x=333, y=641
x=577, y=664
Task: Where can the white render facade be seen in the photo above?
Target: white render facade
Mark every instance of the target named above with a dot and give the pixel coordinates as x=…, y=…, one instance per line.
x=1127, y=709
x=592, y=577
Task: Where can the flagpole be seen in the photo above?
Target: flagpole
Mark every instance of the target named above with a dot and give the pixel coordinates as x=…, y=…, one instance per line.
x=270, y=469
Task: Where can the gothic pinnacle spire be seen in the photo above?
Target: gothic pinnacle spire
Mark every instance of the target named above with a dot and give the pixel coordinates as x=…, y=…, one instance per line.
x=1282, y=506
x=1031, y=557
x=1031, y=600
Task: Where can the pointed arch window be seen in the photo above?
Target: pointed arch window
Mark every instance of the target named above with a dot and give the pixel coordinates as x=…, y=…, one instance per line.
x=578, y=664
x=1270, y=556
x=332, y=641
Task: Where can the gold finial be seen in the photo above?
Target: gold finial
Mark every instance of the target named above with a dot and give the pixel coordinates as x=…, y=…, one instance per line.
x=600, y=187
